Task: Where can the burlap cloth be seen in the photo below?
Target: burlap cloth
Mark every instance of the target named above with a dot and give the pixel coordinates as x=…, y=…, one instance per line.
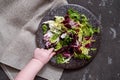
x=19, y=20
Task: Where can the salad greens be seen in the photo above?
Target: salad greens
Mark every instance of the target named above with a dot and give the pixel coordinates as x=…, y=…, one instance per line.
x=70, y=35
x=82, y=56
x=58, y=46
x=60, y=59
x=67, y=40
x=44, y=28
x=54, y=38
x=74, y=15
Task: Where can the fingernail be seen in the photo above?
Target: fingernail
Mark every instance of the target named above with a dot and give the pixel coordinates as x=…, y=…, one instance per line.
x=51, y=49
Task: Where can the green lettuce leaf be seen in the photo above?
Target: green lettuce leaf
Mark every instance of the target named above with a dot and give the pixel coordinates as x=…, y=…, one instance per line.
x=61, y=60
x=58, y=46
x=44, y=28
x=81, y=56
x=54, y=38
x=74, y=14
x=83, y=18
x=66, y=41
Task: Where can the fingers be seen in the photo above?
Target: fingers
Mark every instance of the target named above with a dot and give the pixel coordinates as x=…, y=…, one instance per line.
x=51, y=55
x=37, y=50
x=50, y=50
x=44, y=53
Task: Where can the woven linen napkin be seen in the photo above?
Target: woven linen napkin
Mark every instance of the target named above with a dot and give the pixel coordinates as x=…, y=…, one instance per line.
x=19, y=20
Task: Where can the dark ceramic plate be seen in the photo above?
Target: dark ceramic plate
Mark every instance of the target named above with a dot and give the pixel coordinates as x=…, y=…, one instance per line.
x=61, y=11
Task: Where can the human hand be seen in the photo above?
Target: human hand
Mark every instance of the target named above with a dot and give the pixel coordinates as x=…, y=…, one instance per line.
x=43, y=55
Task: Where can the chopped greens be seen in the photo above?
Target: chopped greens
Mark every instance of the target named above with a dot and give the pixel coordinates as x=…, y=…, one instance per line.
x=58, y=46
x=44, y=28
x=67, y=40
x=84, y=19
x=93, y=49
x=60, y=59
x=74, y=15
x=70, y=35
x=82, y=56
x=54, y=38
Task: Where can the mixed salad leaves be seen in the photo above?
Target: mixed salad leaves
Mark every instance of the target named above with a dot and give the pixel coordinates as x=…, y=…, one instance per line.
x=70, y=35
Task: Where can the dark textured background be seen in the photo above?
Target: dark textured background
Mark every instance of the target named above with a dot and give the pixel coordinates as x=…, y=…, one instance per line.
x=106, y=65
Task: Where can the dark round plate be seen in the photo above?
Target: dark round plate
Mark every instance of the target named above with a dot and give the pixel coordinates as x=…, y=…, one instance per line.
x=61, y=11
